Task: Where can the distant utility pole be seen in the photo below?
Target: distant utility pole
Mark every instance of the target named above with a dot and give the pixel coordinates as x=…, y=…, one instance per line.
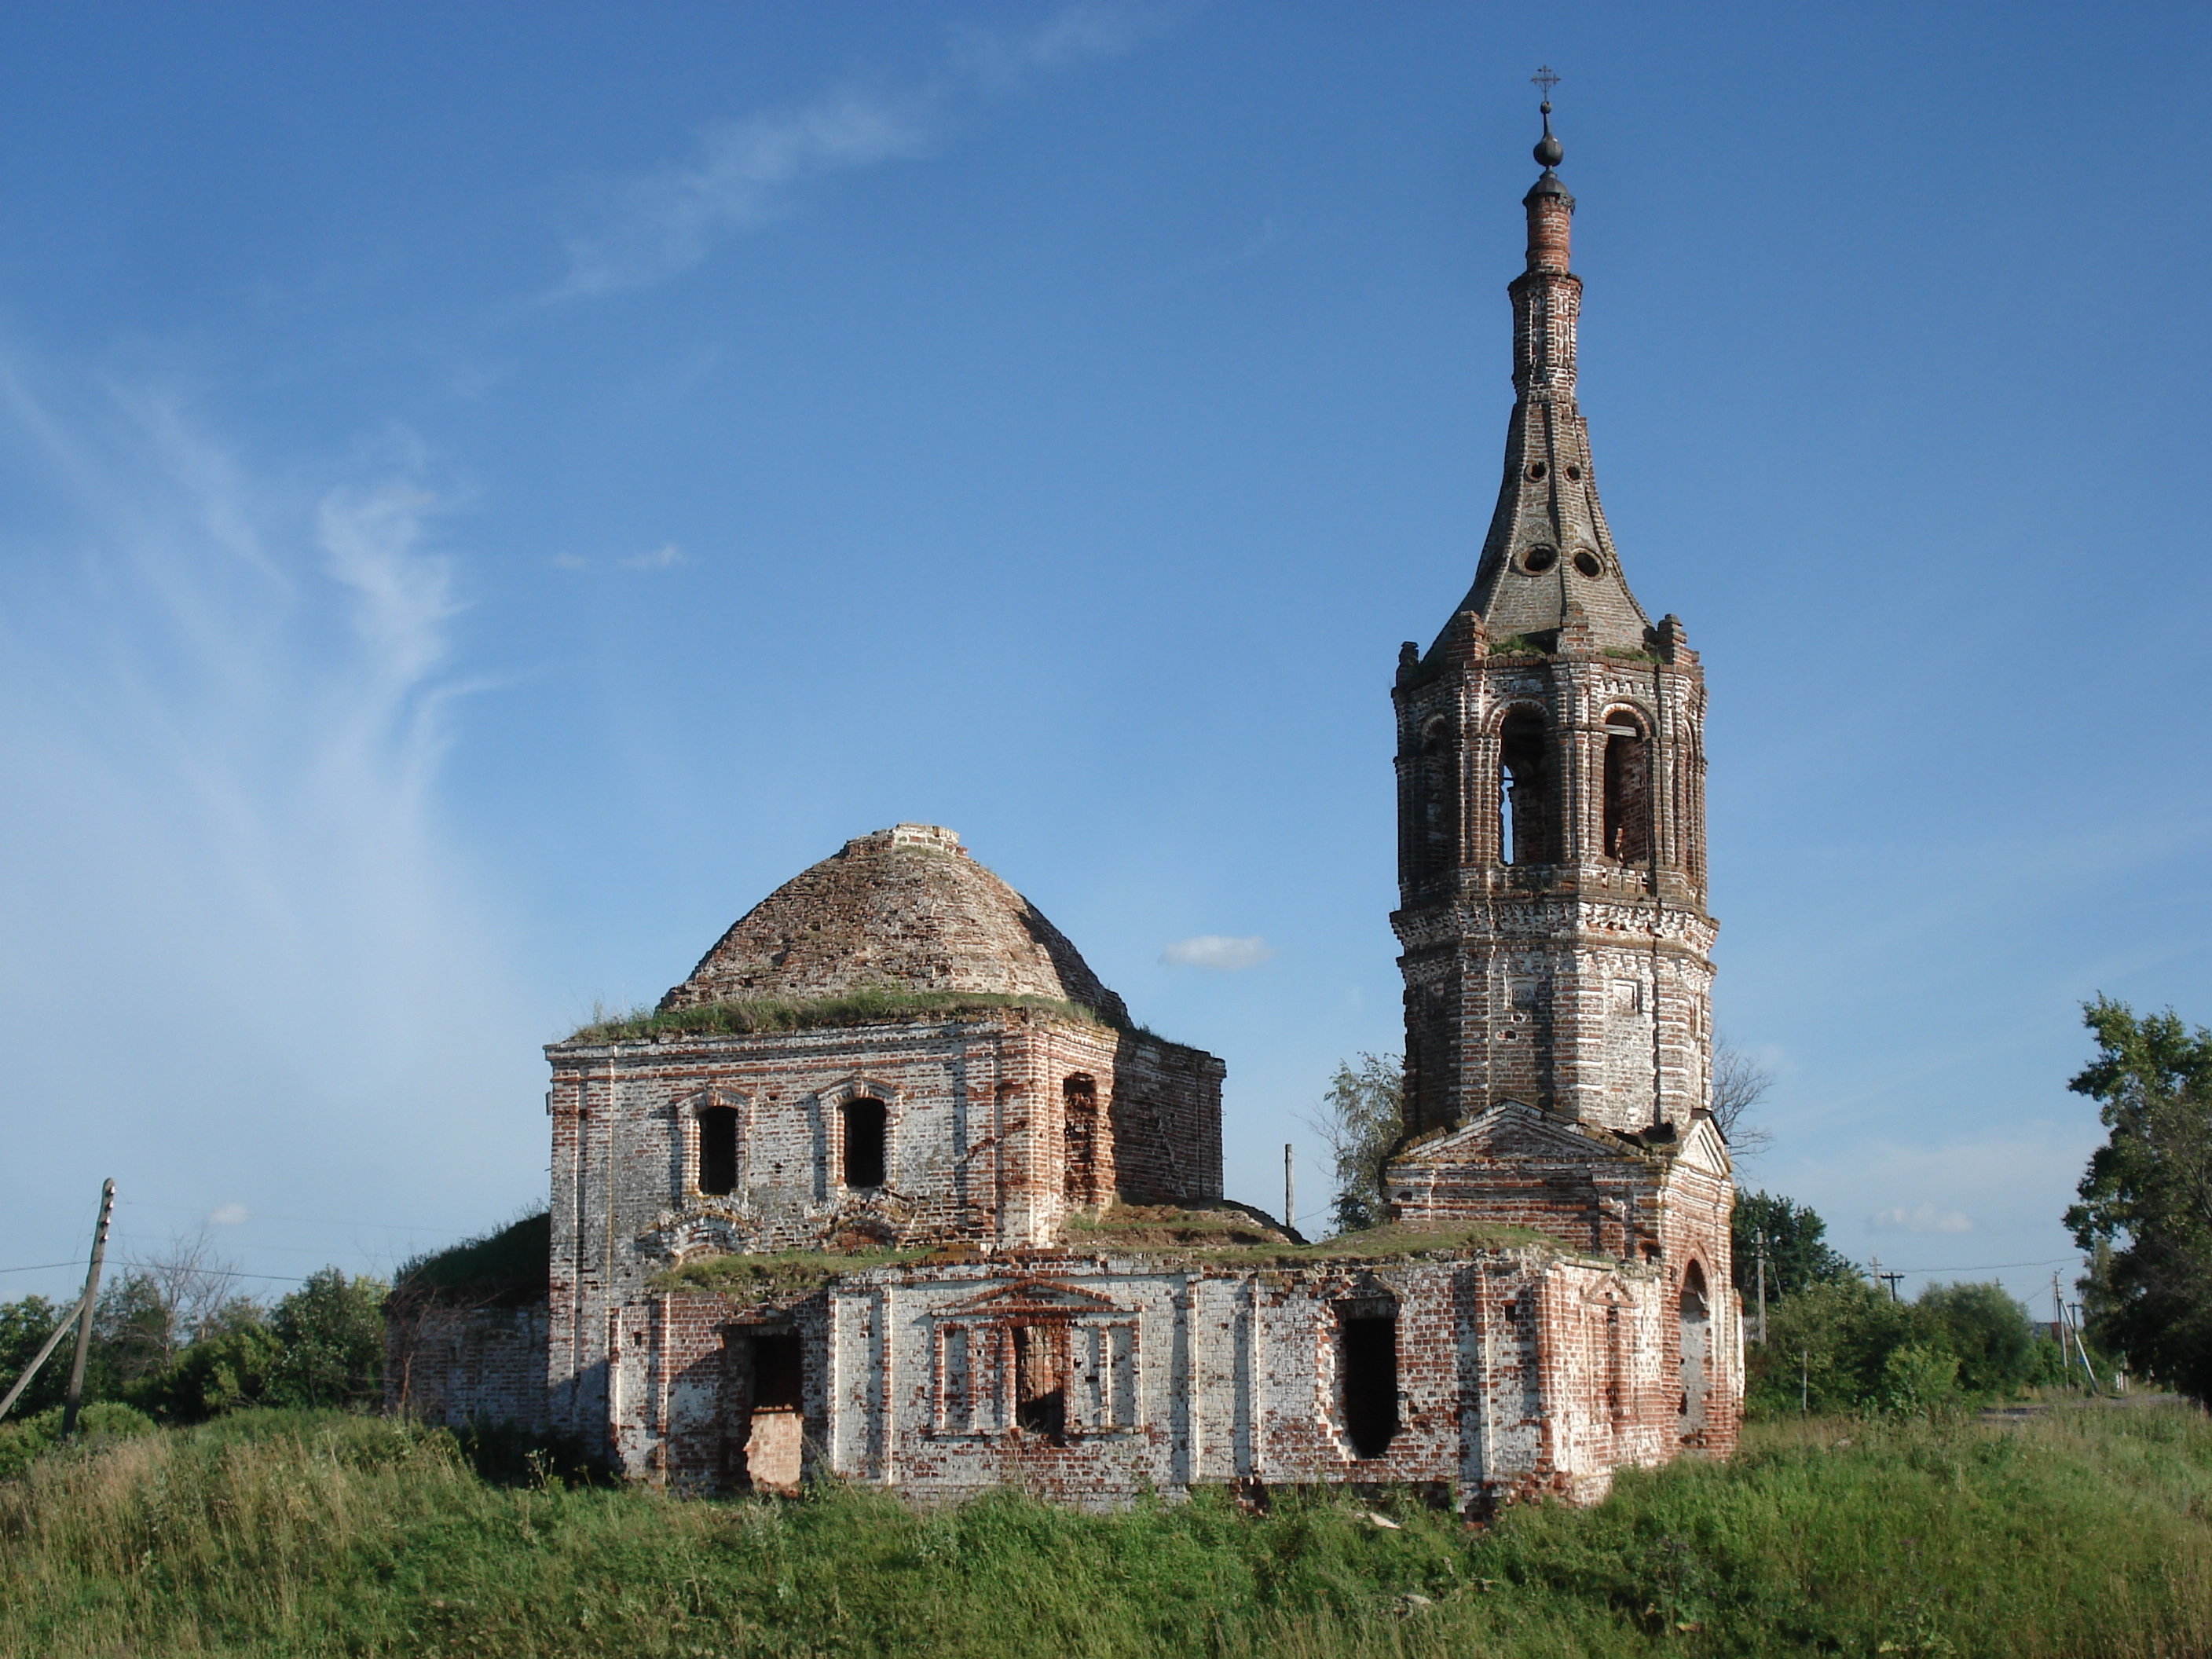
x=1892, y=1279
x=1289, y=1190
x=2082, y=1349
x=1761, y=1237
x=75, y=1398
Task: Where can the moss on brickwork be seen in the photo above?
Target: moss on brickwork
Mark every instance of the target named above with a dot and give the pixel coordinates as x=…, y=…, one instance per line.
x=861, y=1007
x=1231, y=1233
x=510, y=1266
x=1139, y=1226
x=783, y=1273
x=1518, y=645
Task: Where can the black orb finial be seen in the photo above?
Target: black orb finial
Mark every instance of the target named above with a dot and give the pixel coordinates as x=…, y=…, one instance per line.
x=1548, y=152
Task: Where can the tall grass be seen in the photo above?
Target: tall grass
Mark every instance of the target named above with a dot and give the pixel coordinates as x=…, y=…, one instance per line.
x=274, y=1534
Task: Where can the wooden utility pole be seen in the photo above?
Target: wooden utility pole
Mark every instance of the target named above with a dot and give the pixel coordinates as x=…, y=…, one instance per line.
x=32, y=1369
x=1290, y=1191
x=75, y=1398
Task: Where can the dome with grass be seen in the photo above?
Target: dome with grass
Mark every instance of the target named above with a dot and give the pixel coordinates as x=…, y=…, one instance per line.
x=903, y=910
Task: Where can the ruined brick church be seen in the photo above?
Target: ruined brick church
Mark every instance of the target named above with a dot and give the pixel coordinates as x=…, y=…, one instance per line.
x=891, y=1189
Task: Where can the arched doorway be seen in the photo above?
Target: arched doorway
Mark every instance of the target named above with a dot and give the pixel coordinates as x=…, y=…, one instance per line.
x=1696, y=1352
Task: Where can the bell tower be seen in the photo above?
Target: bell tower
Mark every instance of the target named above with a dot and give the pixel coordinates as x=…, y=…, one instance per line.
x=1551, y=786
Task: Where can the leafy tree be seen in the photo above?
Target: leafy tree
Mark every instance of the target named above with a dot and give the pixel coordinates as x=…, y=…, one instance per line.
x=1798, y=1255
x=218, y=1373
x=1362, y=1116
x=1989, y=1332
x=2146, y=1208
x=332, y=1334
x=24, y=1328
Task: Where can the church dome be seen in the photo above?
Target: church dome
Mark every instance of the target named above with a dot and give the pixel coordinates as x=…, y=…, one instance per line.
x=905, y=909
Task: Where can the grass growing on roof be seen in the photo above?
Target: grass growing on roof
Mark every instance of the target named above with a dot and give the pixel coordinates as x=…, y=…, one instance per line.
x=868, y=1006
x=283, y=1533
x=510, y=1264
x=779, y=1274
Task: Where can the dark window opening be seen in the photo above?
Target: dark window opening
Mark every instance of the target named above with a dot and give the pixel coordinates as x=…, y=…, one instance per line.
x=775, y=1370
x=1370, y=1349
x=1079, y=1131
x=864, y=1143
x=1040, y=1380
x=1524, y=791
x=718, y=1149
x=1588, y=562
x=1627, y=791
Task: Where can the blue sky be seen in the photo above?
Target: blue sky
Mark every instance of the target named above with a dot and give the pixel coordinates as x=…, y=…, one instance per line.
x=487, y=492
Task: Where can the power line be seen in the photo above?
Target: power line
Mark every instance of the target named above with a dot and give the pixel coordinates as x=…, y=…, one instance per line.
x=309, y=1220
x=37, y=1267
x=1991, y=1266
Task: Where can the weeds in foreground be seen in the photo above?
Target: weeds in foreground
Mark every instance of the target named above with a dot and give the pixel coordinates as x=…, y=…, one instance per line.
x=2081, y=1533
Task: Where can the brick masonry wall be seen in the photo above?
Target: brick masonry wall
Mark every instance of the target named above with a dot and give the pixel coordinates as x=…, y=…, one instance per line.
x=456, y=1365
x=1665, y=1205
x=1519, y=1373
x=977, y=1151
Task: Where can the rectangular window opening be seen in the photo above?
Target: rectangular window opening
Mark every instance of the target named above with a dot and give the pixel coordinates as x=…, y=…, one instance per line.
x=1040, y=1380
x=718, y=1149
x=1369, y=1354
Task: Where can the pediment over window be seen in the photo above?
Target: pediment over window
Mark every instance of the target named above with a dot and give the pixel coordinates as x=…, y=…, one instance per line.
x=1704, y=1149
x=1034, y=1298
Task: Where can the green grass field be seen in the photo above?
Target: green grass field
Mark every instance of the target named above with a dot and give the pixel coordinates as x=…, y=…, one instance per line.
x=2082, y=1532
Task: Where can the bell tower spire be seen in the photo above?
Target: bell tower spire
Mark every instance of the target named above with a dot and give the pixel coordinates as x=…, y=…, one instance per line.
x=1551, y=783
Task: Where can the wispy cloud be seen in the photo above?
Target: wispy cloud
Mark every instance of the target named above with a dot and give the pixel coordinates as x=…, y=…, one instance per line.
x=746, y=171
x=229, y=1215
x=667, y=557
x=227, y=690
x=1218, y=954
x=1920, y=1218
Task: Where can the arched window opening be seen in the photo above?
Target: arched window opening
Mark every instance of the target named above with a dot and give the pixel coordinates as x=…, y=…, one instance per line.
x=865, y=1122
x=1627, y=790
x=1367, y=1357
x=1040, y=1380
x=1434, y=794
x=1524, y=834
x=1696, y=1352
x=718, y=1149
x=1079, y=1134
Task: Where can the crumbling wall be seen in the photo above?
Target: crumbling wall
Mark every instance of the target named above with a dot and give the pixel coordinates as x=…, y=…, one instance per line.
x=1090, y=1380
x=452, y=1364
x=977, y=1144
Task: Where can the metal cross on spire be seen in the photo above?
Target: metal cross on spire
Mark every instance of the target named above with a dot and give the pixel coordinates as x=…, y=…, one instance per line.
x=1543, y=80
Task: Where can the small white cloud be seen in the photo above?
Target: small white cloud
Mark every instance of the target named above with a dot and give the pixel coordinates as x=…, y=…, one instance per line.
x=570, y=561
x=1217, y=953
x=229, y=1215
x=661, y=558
x=1925, y=1218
